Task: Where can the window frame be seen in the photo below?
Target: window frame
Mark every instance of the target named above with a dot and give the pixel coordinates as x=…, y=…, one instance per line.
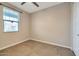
x=13, y=21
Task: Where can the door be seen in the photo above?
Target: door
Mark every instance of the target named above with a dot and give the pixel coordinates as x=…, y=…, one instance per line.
x=76, y=28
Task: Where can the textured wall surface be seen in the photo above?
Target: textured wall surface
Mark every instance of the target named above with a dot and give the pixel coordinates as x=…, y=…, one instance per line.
x=8, y=38
x=52, y=24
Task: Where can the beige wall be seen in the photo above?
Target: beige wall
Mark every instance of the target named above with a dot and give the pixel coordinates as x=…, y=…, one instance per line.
x=52, y=25
x=10, y=38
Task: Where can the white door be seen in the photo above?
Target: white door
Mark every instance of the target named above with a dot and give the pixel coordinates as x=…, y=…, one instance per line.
x=76, y=28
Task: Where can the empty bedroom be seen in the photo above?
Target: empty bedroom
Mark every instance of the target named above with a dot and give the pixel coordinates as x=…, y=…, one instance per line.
x=39, y=29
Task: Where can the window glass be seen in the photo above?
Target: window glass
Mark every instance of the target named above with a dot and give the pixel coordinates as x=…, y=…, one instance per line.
x=11, y=20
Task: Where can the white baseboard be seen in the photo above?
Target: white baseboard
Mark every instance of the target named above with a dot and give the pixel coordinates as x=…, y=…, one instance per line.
x=51, y=43
x=13, y=44
x=34, y=40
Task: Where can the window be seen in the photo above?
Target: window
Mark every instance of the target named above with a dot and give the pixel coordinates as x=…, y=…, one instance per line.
x=11, y=20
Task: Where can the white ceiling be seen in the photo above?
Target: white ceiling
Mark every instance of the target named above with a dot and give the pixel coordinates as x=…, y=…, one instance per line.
x=30, y=8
